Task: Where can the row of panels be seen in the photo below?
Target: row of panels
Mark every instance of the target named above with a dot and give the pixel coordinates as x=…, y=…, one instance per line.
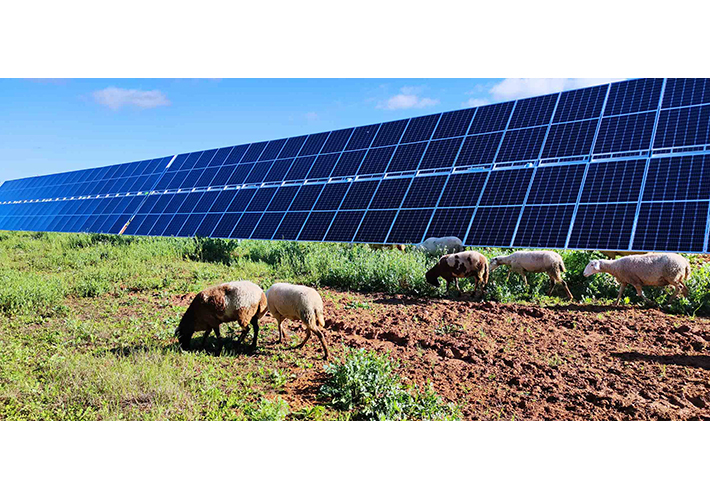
x=661, y=226
x=404, y=209
x=571, y=139
x=552, y=126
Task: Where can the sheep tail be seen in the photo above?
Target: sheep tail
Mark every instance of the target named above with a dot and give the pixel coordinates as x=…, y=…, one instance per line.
x=485, y=272
x=319, y=318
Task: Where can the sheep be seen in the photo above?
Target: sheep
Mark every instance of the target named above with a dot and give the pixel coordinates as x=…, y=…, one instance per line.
x=651, y=269
x=447, y=244
x=542, y=261
x=240, y=301
x=297, y=302
x=610, y=254
x=379, y=246
x=451, y=267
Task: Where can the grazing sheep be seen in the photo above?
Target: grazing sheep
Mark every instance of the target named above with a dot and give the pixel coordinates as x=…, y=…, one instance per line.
x=240, y=301
x=297, y=302
x=542, y=261
x=451, y=267
x=447, y=244
x=651, y=269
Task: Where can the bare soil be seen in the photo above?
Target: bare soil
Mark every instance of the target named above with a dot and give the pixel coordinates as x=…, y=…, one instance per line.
x=523, y=362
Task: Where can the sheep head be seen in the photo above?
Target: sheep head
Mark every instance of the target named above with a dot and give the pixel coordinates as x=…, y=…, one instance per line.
x=432, y=276
x=594, y=266
x=494, y=263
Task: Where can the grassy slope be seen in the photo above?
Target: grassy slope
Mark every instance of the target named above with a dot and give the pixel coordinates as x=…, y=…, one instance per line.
x=86, y=321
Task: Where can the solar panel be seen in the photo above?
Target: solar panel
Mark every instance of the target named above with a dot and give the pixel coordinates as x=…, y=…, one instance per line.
x=616, y=166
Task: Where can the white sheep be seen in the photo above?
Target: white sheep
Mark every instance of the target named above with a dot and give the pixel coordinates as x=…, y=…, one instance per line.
x=651, y=269
x=297, y=302
x=435, y=246
x=240, y=301
x=540, y=261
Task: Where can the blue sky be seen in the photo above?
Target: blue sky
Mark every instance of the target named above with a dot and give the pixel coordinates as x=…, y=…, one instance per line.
x=52, y=126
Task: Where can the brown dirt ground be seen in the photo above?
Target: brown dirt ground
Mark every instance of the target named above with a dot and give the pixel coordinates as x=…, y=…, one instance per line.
x=505, y=361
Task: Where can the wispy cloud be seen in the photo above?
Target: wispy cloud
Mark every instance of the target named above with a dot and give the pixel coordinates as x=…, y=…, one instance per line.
x=311, y=116
x=408, y=98
x=115, y=98
x=515, y=88
x=475, y=101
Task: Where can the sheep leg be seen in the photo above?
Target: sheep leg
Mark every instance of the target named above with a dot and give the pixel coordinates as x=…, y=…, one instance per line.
x=245, y=330
x=553, y=282
x=219, y=338
x=639, y=290
x=569, y=294
x=255, y=325
x=676, y=289
x=308, y=336
x=204, y=338
x=320, y=336
x=621, y=292
x=685, y=290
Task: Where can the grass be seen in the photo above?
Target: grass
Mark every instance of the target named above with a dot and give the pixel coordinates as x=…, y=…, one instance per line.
x=86, y=325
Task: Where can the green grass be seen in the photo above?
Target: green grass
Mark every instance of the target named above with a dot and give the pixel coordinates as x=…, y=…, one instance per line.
x=86, y=324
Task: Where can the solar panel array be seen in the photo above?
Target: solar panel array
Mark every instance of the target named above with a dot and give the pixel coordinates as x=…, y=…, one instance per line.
x=621, y=166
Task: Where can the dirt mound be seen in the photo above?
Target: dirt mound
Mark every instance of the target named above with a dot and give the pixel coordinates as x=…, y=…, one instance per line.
x=515, y=361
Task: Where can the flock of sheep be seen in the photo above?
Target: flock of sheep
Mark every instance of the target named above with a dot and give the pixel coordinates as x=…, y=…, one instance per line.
x=245, y=302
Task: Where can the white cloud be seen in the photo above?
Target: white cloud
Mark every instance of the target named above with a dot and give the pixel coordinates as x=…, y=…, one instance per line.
x=516, y=88
x=408, y=98
x=474, y=102
x=116, y=98
x=311, y=116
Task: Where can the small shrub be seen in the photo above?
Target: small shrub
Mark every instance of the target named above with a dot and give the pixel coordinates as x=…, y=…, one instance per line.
x=365, y=384
x=269, y=409
x=30, y=293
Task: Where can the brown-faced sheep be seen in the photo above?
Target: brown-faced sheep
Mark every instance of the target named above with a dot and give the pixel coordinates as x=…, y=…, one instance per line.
x=240, y=301
x=541, y=261
x=451, y=267
x=651, y=269
x=299, y=303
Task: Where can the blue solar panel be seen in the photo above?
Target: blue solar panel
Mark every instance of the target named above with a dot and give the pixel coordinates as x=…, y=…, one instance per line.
x=409, y=226
x=307, y=196
x=625, y=133
x=348, y=163
x=344, y=226
x=454, y=123
x=570, y=139
x=671, y=227
x=316, y=226
x=272, y=150
x=290, y=225
x=220, y=156
x=633, y=96
x=533, y=111
x=479, y=149
x=278, y=170
x=293, y=146
x=450, y=222
x=556, y=184
x=463, y=190
x=441, y=154
x=282, y=199
x=267, y=226
x=390, y=193
x=390, y=133
x=506, y=187
x=580, y=104
x=491, y=118
x=375, y=226
x=336, y=141
x=424, y=191
x=686, y=92
x=331, y=196
x=544, y=226
x=678, y=178
x=522, y=144
x=226, y=225
x=300, y=167
x=254, y=152
x=236, y=155
x=323, y=165
x=362, y=137
x=246, y=225
x=376, y=161
x=420, y=129
x=258, y=172
x=613, y=182
x=313, y=144
x=359, y=195
x=493, y=226
x=683, y=127
x=261, y=199
x=407, y=157
x=603, y=227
